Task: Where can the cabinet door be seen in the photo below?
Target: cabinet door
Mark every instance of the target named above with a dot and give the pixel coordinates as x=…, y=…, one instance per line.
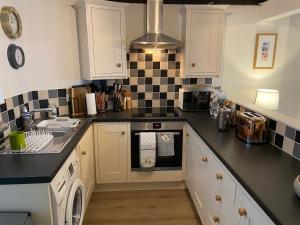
x=196, y=174
x=87, y=167
x=107, y=43
x=250, y=213
x=203, y=42
x=112, y=141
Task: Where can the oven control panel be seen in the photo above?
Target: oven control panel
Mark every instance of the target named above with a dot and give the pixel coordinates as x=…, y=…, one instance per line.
x=156, y=125
x=159, y=125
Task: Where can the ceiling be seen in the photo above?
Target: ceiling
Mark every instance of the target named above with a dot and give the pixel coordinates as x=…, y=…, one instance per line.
x=203, y=2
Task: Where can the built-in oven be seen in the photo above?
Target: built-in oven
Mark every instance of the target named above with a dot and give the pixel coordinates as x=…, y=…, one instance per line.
x=162, y=162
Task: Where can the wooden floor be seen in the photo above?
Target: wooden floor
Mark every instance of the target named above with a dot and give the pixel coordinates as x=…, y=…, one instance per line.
x=159, y=207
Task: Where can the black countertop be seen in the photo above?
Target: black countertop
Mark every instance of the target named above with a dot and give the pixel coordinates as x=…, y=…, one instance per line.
x=266, y=172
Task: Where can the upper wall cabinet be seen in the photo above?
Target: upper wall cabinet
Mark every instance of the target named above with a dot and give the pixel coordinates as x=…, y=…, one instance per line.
x=202, y=34
x=101, y=32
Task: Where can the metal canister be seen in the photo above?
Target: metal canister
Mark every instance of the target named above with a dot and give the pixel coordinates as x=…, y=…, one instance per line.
x=224, y=115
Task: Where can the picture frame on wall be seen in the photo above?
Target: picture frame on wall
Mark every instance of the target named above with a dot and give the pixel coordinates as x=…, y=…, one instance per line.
x=265, y=51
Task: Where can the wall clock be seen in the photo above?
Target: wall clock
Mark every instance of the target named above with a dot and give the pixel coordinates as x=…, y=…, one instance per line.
x=16, y=56
x=11, y=22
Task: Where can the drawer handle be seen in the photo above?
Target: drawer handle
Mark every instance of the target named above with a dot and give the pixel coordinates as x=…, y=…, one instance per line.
x=193, y=64
x=204, y=159
x=242, y=212
x=83, y=153
x=218, y=198
x=219, y=176
x=119, y=65
x=123, y=133
x=187, y=134
x=216, y=219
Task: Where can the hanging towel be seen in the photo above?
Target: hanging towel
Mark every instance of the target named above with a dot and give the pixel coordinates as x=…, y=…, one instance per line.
x=165, y=143
x=147, y=150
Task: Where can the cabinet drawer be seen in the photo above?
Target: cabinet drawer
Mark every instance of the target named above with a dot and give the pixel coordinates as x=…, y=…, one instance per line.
x=221, y=181
x=217, y=217
x=225, y=205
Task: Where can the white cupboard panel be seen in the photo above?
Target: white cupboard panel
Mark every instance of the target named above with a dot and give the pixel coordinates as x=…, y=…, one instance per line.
x=101, y=32
x=112, y=150
x=204, y=38
x=202, y=34
x=107, y=41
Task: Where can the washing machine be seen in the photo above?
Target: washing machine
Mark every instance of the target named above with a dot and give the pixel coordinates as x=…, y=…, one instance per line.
x=68, y=194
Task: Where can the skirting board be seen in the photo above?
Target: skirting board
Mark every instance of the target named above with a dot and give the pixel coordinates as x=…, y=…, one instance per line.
x=139, y=186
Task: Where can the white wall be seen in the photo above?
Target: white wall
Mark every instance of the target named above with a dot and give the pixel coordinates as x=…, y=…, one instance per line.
x=49, y=41
x=278, y=8
x=240, y=80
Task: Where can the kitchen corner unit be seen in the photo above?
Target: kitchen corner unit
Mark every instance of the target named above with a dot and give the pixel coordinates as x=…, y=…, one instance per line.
x=102, y=45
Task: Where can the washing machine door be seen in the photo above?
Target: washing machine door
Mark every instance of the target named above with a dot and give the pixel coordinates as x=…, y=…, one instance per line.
x=76, y=204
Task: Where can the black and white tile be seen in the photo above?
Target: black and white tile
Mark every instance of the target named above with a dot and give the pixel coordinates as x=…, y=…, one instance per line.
x=10, y=111
x=154, y=78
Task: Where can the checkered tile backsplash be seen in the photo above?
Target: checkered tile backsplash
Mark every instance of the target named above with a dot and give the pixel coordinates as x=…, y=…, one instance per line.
x=282, y=136
x=154, y=78
x=10, y=111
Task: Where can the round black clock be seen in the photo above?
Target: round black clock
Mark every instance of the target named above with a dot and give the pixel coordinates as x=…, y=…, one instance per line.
x=16, y=56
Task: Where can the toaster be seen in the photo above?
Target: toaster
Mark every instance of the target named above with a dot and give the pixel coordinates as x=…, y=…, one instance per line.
x=252, y=127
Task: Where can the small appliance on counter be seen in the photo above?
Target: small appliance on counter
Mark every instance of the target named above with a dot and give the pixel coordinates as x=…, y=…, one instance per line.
x=78, y=100
x=297, y=186
x=251, y=127
x=195, y=98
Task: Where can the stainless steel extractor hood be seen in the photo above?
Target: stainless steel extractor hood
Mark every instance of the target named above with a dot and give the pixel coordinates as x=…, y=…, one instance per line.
x=155, y=39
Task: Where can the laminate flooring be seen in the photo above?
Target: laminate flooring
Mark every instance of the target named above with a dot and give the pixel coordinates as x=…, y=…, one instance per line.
x=154, y=207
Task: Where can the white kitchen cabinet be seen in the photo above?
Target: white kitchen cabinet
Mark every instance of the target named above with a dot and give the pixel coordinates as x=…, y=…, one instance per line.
x=85, y=149
x=218, y=197
x=112, y=146
x=250, y=213
x=101, y=31
x=197, y=176
x=202, y=34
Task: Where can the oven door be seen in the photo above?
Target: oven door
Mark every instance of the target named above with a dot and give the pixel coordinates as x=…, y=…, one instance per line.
x=173, y=162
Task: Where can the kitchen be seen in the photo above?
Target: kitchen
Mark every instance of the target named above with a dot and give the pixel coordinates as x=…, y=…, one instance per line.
x=139, y=106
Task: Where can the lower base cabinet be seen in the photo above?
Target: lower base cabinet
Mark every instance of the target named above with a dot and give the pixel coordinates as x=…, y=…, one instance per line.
x=85, y=151
x=112, y=144
x=218, y=197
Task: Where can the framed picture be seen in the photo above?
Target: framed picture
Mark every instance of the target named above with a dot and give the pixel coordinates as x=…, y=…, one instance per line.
x=265, y=51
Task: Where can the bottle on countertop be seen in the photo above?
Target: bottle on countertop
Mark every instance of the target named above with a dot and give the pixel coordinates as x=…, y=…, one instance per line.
x=125, y=103
x=128, y=103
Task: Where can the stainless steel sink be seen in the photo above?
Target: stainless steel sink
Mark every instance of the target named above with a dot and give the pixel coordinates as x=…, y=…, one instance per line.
x=60, y=140
x=58, y=134
x=56, y=145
